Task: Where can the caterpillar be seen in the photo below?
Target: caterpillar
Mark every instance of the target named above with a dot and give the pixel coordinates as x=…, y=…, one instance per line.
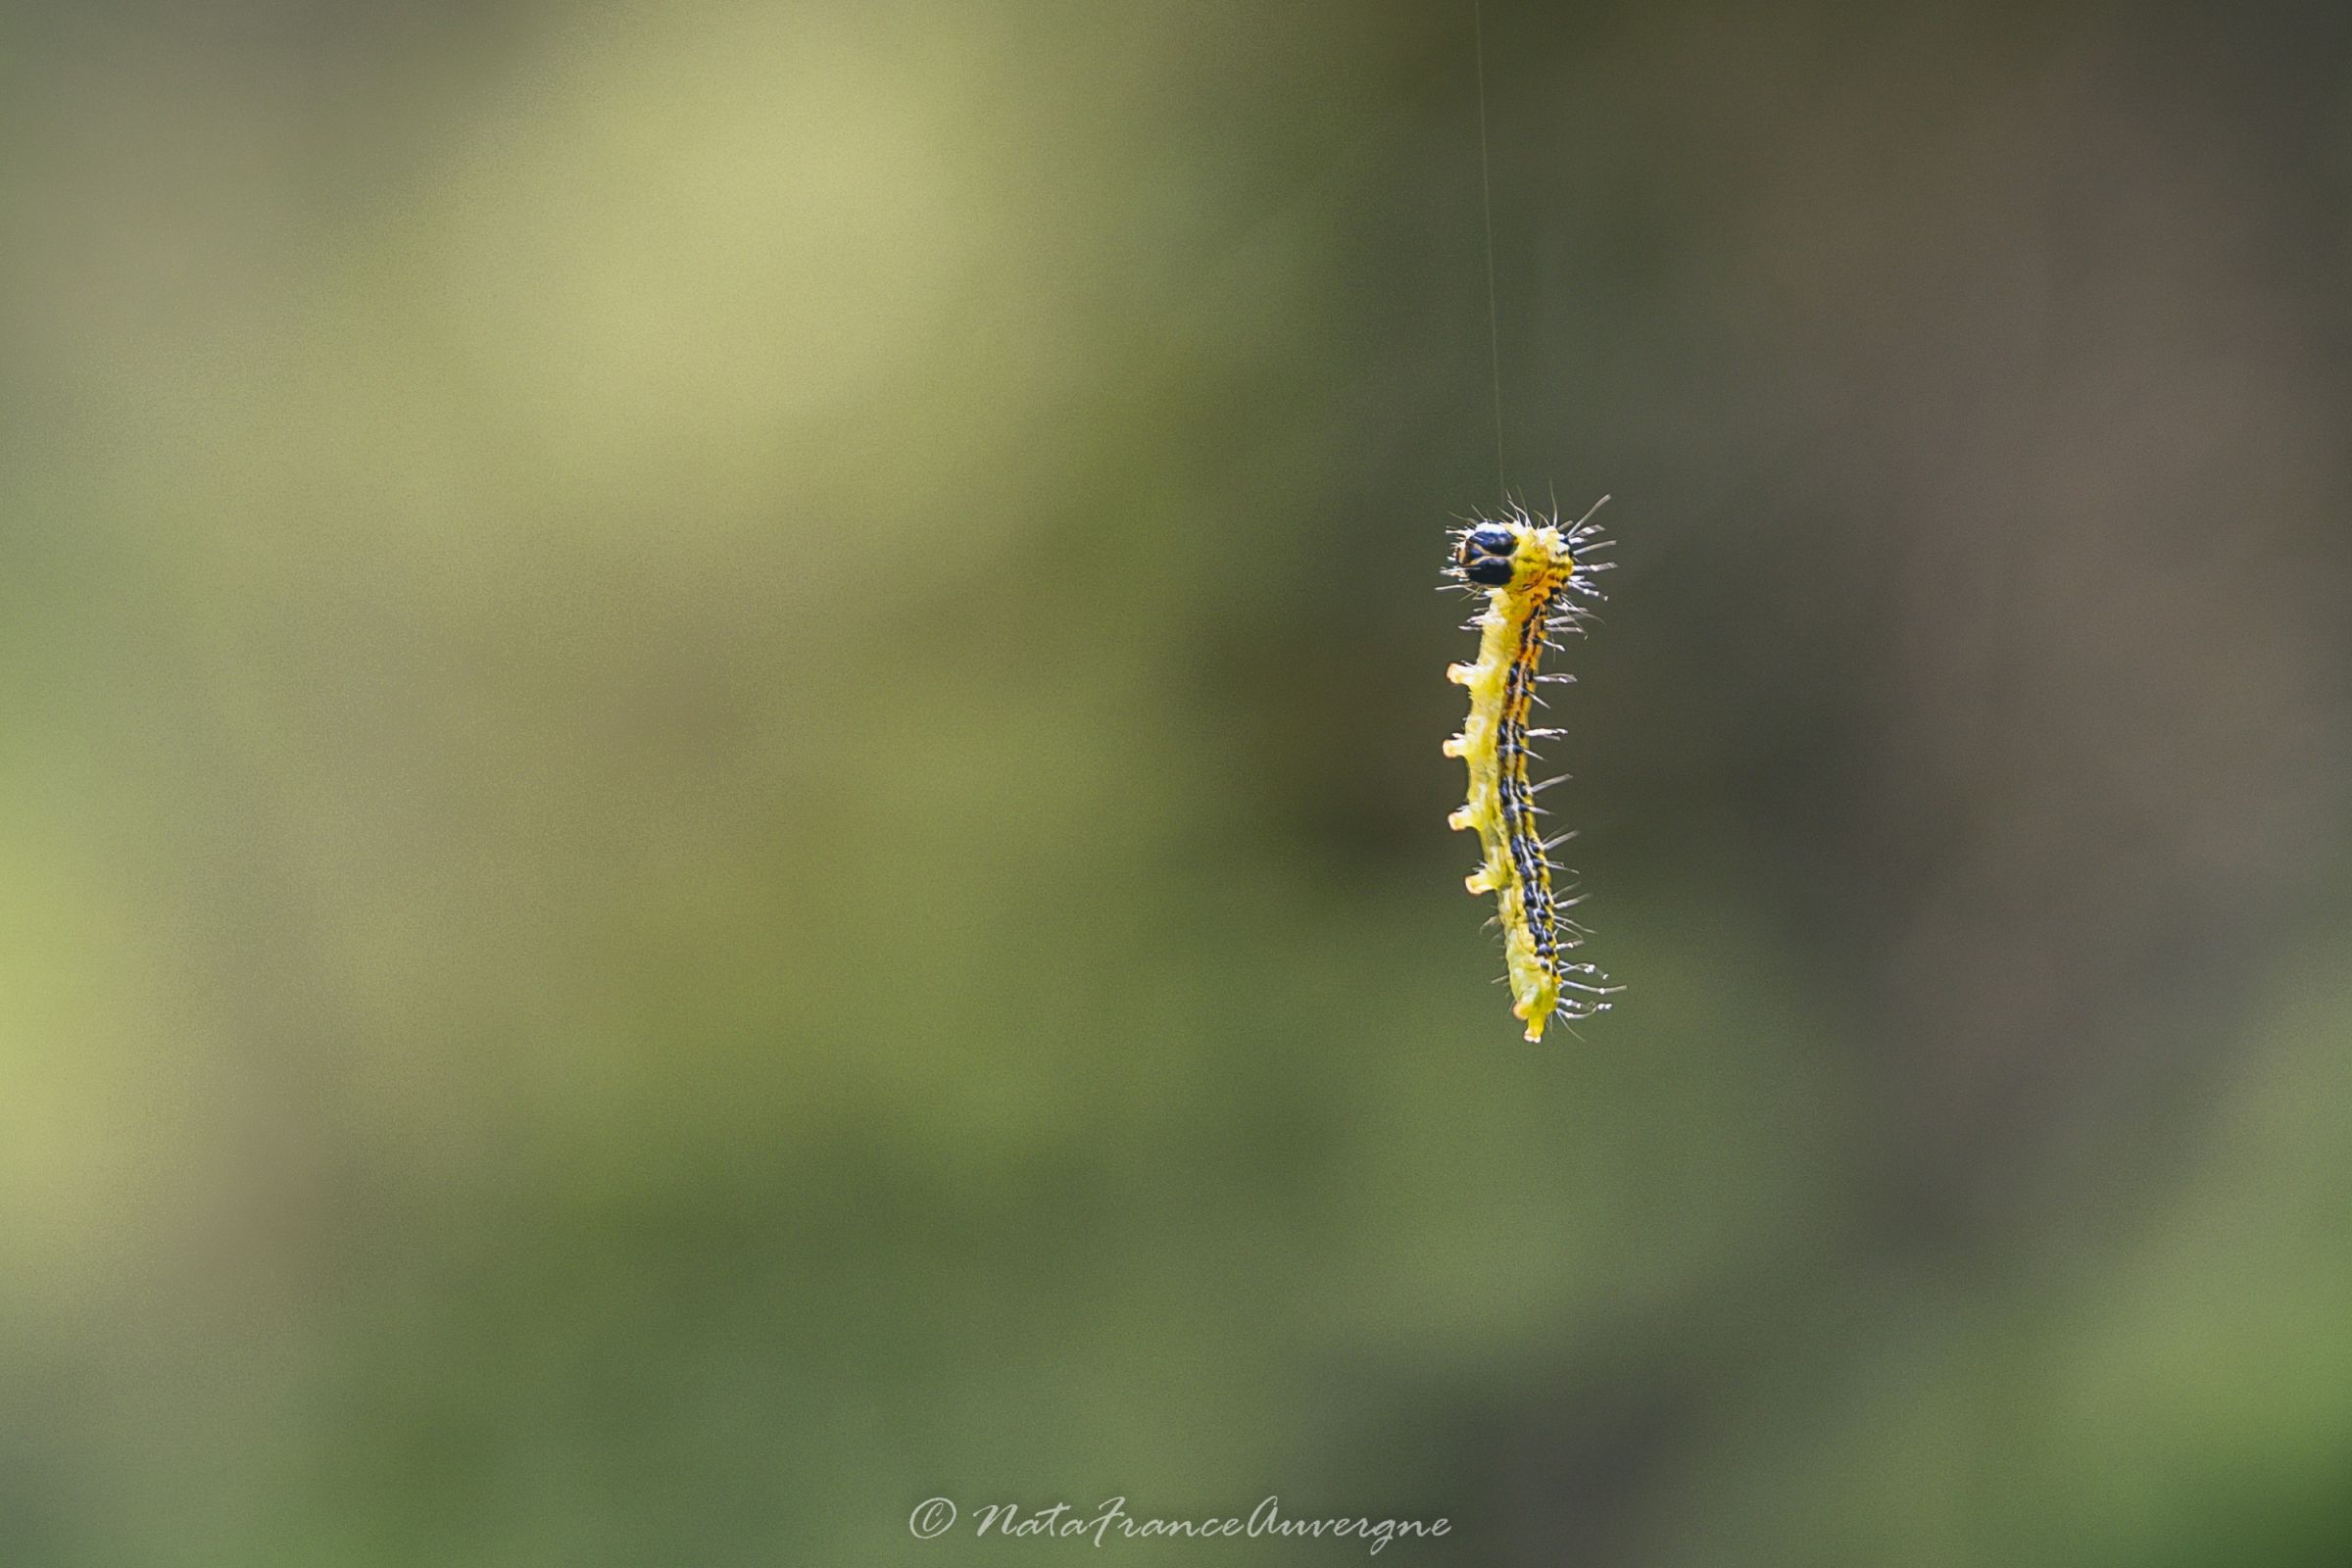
x=1534, y=571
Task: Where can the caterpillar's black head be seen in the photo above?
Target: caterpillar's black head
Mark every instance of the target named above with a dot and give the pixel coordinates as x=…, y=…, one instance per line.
x=1485, y=554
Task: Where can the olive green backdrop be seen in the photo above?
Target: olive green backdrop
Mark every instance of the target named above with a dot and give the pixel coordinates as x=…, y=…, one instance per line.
x=720, y=799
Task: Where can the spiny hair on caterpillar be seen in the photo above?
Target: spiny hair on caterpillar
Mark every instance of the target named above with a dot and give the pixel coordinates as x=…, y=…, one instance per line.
x=1532, y=570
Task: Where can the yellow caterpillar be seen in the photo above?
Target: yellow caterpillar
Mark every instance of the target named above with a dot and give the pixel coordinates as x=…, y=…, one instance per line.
x=1530, y=567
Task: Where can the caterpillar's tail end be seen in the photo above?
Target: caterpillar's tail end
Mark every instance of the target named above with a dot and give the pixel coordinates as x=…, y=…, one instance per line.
x=1534, y=1011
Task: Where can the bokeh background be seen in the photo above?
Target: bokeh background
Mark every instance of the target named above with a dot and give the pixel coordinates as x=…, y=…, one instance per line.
x=721, y=801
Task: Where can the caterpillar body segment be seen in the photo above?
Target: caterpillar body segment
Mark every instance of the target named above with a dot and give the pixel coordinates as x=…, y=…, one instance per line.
x=1534, y=574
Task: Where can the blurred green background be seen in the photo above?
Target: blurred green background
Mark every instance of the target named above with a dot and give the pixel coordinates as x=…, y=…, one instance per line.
x=719, y=745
